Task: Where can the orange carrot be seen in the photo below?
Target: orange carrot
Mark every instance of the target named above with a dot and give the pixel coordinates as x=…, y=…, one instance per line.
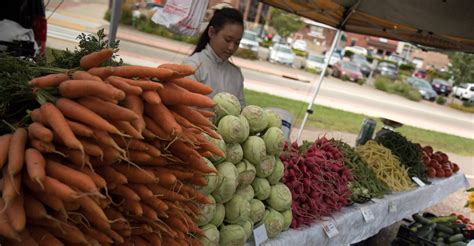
x=157, y=161
x=206, y=144
x=144, y=84
x=83, y=88
x=34, y=209
x=192, y=85
x=107, y=110
x=135, y=104
x=143, y=72
x=94, y=213
x=125, y=192
x=156, y=203
x=198, y=180
x=151, y=97
x=170, y=241
x=139, y=156
x=75, y=157
x=182, y=121
x=102, y=72
x=6, y=229
x=50, y=80
x=42, y=146
x=126, y=128
x=148, y=135
x=192, y=115
x=156, y=129
x=35, y=165
x=69, y=233
x=99, y=181
x=181, y=175
x=211, y=132
x=153, y=238
x=112, y=176
x=91, y=148
x=76, y=111
x=205, y=113
x=141, y=190
x=56, y=120
x=39, y=131
x=166, y=178
x=153, y=151
x=4, y=147
x=70, y=176
x=133, y=207
x=163, y=117
x=177, y=224
x=104, y=139
x=124, y=86
x=167, y=194
x=83, y=75
x=11, y=188
x=133, y=144
x=59, y=189
x=79, y=129
x=96, y=58
x=172, y=94
x=43, y=237
x=16, y=214
x=139, y=241
x=115, y=236
x=135, y=175
x=182, y=69
x=99, y=236
x=16, y=151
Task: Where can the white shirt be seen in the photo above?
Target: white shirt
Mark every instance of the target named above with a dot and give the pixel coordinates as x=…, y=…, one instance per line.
x=222, y=76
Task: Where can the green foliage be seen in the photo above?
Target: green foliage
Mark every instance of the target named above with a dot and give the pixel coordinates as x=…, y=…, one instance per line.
x=317, y=71
x=361, y=81
x=466, y=107
x=345, y=78
x=285, y=23
x=468, y=104
x=246, y=54
x=385, y=84
x=440, y=100
x=437, y=74
x=87, y=44
x=300, y=52
x=266, y=43
x=407, y=67
x=348, y=53
x=462, y=67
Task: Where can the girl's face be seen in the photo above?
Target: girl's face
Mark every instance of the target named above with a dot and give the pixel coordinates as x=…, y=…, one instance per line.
x=225, y=42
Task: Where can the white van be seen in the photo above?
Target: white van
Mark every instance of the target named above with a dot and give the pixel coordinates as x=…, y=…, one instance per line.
x=464, y=91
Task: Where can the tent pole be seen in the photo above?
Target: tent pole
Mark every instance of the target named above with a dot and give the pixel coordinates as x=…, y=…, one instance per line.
x=309, y=110
x=114, y=20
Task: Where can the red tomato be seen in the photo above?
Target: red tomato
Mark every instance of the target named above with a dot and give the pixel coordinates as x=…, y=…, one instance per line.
x=431, y=172
x=448, y=173
x=455, y=167
x=439, y=173
x=467, y=221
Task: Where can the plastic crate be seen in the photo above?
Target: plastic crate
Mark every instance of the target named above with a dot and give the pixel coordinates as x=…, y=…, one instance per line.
x=405, y=237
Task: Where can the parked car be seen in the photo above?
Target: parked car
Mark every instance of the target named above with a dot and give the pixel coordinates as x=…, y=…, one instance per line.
x=281, y=53
x=30, y=14
x=249, y=41
x=356, y=50
x=441, y=86
x=464, y=91
x=387, y=69
x=423, y=87
x=349, y=69
x=420, y=73
x=314, y=61
x=363, y=64
x=299, y=45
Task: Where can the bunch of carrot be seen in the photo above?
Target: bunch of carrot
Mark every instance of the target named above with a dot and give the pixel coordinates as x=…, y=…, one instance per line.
x=114, y=159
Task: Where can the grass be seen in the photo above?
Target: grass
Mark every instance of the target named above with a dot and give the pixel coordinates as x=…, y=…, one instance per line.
x=300, y=52
x=467, y=109
x=339, y=120
x=246, y=54
x=397, y=87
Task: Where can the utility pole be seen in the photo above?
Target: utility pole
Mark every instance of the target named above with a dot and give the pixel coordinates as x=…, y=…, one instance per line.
x=259, y=13
x=247, y=9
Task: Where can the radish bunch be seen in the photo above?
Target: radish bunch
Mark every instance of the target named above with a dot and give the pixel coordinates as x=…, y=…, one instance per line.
x=317, y=178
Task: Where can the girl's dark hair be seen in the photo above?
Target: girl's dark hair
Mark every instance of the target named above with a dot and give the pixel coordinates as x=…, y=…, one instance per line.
x=220, y=18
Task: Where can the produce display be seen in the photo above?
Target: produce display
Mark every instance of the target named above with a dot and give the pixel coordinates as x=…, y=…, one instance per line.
x=386, y=166
x=105, y=155
x=429, y=229
x=365, y=184
x=247, y=189
x=437, y=163
x=317, y=178
x=407, y=152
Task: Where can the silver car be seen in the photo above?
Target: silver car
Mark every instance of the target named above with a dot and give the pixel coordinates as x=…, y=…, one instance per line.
x=249, y=41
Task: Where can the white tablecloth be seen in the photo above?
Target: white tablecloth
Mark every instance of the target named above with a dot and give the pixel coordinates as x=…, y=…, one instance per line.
x=351, y=224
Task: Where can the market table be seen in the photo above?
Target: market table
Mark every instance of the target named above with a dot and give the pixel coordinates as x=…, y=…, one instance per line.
x=353, y=228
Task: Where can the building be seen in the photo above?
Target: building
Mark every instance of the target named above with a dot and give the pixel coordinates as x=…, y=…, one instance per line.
x=380, y=47
x=317, y=33
x=430, y=60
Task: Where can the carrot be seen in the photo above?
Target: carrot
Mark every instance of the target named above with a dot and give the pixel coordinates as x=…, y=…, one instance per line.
x=50, y=80
x=16, y=151
x=147, y=134
x=139, y=241
x=139, y=156
x=83, y=88
x=135, y=104
x=93, y=213
x=153, y=238
x=182, y=69
x=198, y=180
x=75, y=157
x=133, y=207
x=16, y=214
x=84, y=75
x=141, y=190
x=166, y=178
x=149, y=212
x=42, y=146
x=190, y=156
x=182, y=121
x=151, y=97
x=143, y=72
x=115, y=236
x=192, y=115
x=205, y=113
x=11, y=188
x=79, y=129
x=71, y=206
x=4, y=147
x=50, y=200
x=59, y=189
x=135, y=175
x=126, y=233
x=70, y=234
x=133, y=144
x=157, y=204
x=99, y=181
x=125, y=192
x=91, y=148
x=126, y=128
x=144, y=84
x=124, y=86
x=39, y=131
x=205, y=153
x=96, y=58
x=172, y=94
x=153, y=151
x=43, y=237
x=102, y=72
x=34, y=209
x=70, y=176
x=157, y=161
x=156, y=129
x=35, y=165
x=163, y=117
x=177, y=224
x=211, y=132
x=167, y=194
x=108, y=110
x=104, y=138
x=112, y=176
x=170, y=241
x=6, y=229
x=206, y=144
x=76, y=111
x=99, y=236
x=192, y=85
x=181, y=175
x=140, y=229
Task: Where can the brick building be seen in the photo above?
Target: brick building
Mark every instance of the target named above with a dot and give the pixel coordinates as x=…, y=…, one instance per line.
x=380, y=47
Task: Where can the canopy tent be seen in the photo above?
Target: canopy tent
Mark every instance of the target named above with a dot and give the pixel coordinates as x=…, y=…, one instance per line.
x=441, y=24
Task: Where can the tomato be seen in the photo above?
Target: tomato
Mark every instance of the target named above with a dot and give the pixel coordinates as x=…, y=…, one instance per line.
x=426, y=160
x=428, y=149
x=466, y=221
x=431, y=172
x=436, y=166
x=439, y=173
x=445, y=157
x=453, y=214
x=458, y=221
x=461, y=217
x=433, y=162
x=455, y=167
x=448, y=173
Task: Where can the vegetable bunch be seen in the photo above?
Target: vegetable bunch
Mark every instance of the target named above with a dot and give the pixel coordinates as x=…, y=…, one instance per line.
x=365, y=185
x=109, y=157
x=406, y=151
x=317, y=178
x=386, y=166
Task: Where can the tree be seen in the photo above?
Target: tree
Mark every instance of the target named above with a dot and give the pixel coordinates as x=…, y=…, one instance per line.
x=285, y=23
x=462, y=67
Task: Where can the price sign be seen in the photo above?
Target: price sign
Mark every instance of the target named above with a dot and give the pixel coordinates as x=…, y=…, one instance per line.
x=260, y=234
x=367, y=213
x=392, y=207
x=418, y=181
x=330, y=229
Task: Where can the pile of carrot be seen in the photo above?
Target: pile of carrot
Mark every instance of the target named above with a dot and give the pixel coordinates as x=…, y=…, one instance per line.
x=114, y=159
